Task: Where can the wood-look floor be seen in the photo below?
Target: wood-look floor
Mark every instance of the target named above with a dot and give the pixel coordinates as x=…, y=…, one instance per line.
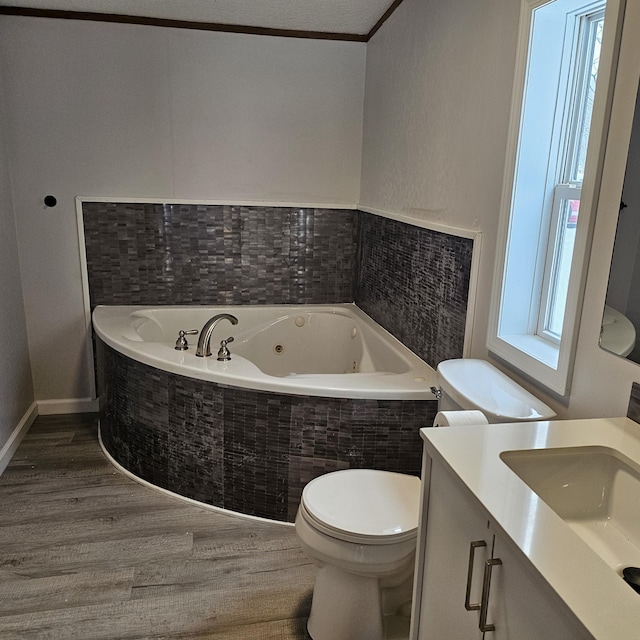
x=88, y=554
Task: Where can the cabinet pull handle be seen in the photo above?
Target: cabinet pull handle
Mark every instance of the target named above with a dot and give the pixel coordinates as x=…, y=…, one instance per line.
x=486, y=588
x=472, y=552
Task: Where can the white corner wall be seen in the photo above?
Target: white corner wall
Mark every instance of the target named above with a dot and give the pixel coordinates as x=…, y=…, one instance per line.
x=114, y=110
x=438, y=92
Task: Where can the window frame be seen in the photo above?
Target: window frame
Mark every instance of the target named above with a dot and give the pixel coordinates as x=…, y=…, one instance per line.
x=516, y=340
x=561, y=193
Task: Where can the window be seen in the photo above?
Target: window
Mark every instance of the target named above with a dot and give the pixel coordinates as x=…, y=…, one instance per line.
x=550, y=177
x=578, y=108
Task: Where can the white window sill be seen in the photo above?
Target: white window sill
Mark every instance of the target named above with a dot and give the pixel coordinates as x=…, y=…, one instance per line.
x=542, y=350
x=536, y=358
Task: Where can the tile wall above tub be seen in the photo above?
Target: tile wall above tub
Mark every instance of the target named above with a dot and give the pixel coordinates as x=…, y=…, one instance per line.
x=412, y=281
x=218, y=254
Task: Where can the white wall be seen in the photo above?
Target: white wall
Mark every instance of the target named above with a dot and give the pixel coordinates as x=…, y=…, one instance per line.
x=145, y=112
x=438, y=93
x=16, y=389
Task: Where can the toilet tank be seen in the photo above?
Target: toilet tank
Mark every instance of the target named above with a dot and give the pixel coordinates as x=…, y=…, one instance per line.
x=468, y=384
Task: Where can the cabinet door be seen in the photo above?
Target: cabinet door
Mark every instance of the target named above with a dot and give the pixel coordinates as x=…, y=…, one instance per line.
x=521, y=605
x=454, y=522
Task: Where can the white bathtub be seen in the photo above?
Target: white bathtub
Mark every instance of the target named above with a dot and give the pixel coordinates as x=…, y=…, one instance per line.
x=312, y=350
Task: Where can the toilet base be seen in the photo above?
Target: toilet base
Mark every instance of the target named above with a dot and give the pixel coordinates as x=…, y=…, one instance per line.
x=350, y=606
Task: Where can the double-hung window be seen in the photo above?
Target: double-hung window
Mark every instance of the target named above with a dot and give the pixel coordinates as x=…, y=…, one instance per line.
x=550, y=177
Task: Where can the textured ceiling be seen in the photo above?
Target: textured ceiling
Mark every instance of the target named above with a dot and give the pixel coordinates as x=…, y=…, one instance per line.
x=337, y=16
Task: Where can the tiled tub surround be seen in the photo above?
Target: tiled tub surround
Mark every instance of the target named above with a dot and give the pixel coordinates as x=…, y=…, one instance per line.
x=218, y=254
x=244, y=450
x=253, y=451
x=413, y=281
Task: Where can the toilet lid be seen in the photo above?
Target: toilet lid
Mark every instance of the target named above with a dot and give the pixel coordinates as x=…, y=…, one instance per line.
x=365, y=503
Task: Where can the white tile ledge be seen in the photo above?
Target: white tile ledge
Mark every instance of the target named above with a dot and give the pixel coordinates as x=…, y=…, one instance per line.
x=423, y=218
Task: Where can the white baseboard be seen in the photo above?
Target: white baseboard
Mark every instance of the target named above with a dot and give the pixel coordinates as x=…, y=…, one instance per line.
x=15, y=438
x=70, y=405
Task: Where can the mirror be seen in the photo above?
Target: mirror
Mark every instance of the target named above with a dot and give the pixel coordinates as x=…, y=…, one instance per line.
x=620, y=332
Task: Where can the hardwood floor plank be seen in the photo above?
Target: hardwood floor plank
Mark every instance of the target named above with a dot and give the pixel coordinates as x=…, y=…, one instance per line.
x=103, y=554
x=7, y=574
x=34, y=445
x=69, y=458
x=196, y=615
x=214, y=542
x=20, y=474
x=52, y=486
x=237, y=572
x=273, y=630
x=52, y=499
x=76, y=522
x=117, y=502
x=69, y=590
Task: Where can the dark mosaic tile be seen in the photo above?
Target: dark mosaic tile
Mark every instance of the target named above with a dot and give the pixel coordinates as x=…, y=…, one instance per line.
x=415, y=283
x=218, y=254
x=244, y=450
x=196, y=440
x=134, y=412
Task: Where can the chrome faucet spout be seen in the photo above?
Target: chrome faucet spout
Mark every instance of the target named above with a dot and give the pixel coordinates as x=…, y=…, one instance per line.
x=204, y=340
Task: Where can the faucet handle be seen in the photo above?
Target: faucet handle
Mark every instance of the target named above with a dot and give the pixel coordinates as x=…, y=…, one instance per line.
x=223, y=353
x=181, y=342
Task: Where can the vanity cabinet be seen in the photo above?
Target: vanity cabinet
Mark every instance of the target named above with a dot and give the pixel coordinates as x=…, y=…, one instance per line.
x=473, y=574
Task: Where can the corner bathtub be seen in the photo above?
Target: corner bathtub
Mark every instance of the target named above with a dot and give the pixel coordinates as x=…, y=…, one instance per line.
x=332, y=351
x=309, y=389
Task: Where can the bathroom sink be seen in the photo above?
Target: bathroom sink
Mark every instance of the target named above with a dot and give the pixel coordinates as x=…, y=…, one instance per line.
x=595, y=490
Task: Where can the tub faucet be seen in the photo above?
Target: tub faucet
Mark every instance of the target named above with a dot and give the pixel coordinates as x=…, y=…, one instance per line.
x=204, y=340
x=223, y=352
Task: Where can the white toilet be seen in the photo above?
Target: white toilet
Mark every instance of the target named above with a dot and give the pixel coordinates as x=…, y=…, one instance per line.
x=360, y=525
x=467, y=384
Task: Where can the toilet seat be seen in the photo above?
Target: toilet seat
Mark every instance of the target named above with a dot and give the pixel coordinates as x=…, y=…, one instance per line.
x=363, y=506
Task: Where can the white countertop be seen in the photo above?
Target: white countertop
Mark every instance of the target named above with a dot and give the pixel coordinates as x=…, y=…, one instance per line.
x=592, y=589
